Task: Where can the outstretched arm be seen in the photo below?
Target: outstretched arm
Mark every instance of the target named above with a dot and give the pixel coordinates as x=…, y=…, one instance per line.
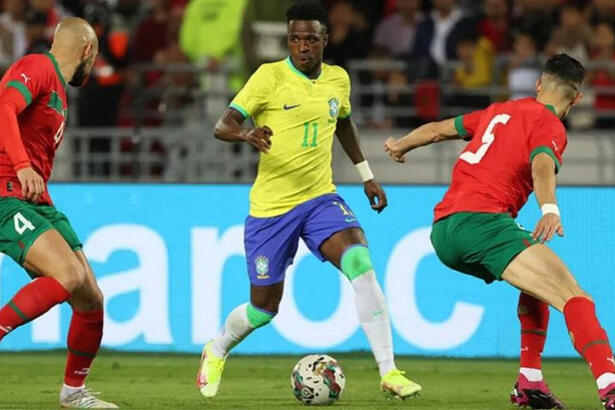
x=229, y=128
x=543, y=176
x=348, y=136
x=424, y=135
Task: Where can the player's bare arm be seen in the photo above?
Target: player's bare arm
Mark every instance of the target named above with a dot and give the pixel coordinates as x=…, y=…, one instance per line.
x=348, y=136
x=424, y=135
x=229, y=128
x=543, y=176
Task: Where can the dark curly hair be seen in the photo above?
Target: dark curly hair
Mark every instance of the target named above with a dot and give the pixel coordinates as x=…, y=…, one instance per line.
x=308, y=10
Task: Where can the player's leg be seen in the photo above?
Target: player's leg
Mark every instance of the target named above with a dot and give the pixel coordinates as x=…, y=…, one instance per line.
x=333, y=233
x=270, y=244
x=42, y=250
x=540, y=272
x=534, y=318
x=245, y=318
x=83, y=341
x=482, y=245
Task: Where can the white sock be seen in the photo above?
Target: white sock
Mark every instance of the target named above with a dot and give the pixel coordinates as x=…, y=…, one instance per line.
x=604, y=380
x=236, y=328
x=533, y=375
x=70, y=390
x=374, y=319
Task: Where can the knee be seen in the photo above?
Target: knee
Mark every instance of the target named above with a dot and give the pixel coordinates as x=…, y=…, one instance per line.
x=72, y=275
x=567, y=292
x=356, y=261
x=259, y=317
x=94, y=300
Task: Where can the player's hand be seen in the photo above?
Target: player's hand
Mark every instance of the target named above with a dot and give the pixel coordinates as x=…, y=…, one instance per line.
x=32, y=185
x=390, y=147
x=547, y=227
x=260, y=138
x=377, y=196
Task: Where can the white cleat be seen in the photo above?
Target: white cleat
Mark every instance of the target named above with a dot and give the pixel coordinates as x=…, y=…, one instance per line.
x=84, y=399
x=210, y=372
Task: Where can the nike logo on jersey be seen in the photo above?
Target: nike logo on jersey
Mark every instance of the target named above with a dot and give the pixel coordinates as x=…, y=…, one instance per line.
x=290, y=107
x=554, y=145
x=25, y=78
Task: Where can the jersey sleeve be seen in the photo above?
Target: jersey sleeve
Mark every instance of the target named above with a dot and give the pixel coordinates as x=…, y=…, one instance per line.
x=467, y=124
x=345, y=107
x=255, y=94
x=548, y=136
x=28, y=77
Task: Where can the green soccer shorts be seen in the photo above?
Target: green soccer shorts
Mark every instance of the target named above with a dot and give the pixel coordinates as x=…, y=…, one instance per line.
x=21, y=223
x=479, y=244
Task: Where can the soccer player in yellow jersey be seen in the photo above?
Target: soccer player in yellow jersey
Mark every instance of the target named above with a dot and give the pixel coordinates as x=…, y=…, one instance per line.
x=297, y=105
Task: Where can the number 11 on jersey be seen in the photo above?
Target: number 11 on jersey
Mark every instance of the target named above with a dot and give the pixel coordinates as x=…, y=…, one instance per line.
x=306, y=134
x=487, y=139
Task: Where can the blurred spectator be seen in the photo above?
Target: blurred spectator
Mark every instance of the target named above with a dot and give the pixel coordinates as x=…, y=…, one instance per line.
x=100, y=97
x=36, y=33
x=603, y=53
x=573, y=35
x=348, y=34
x=476, y=57
x=535, y=17
x=495, y=25
x=52, y=12
x=211, y=33
x=394, y=35
x=604, y=11
x=152, y=34
x=435, y=36
x=525, y=67
x=13, y=41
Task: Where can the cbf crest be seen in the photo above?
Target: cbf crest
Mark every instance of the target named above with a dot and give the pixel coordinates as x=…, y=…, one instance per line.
x=334, y=107
x=261, y=264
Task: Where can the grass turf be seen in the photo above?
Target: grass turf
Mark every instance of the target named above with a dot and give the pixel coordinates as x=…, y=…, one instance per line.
x=151, y=381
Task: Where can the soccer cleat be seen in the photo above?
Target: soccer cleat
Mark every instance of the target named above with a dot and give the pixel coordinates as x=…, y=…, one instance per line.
x=535, y=395
x=210, y=372
x=607, y=395
x=84, y=399
x=396, y=385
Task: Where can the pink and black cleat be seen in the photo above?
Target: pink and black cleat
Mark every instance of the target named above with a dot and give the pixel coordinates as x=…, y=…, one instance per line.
x=535, y=395
x=607, y=395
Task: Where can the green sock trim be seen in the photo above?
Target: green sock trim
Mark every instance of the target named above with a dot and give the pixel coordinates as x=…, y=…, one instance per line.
x=23, y=317
x=82, y=354
x=356, y=261
x=258, y=318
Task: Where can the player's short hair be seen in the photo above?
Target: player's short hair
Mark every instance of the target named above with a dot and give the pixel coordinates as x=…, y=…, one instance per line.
x=566, y=71
x=306, y=11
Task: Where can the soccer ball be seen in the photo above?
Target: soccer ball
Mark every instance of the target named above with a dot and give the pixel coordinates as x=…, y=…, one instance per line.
x=317, y=380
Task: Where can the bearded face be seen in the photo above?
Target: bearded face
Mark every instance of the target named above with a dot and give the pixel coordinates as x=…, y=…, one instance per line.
x=82, y=72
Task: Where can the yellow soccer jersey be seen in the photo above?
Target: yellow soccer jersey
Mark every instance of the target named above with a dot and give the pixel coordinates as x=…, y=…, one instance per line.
x=302, y=113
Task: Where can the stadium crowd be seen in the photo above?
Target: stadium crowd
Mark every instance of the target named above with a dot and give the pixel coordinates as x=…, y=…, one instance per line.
x=475, y=46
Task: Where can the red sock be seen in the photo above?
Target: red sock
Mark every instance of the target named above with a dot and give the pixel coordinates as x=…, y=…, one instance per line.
x=588, y=337
x=84, y=336
x=34, y=299
x=534, y=317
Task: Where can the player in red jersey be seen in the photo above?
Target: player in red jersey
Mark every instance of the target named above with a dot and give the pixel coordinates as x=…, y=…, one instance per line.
x=516, y=147
x=32, y=231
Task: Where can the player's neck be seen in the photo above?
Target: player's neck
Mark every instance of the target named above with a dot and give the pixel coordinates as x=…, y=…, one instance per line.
x=65, y=64
x=554, y=103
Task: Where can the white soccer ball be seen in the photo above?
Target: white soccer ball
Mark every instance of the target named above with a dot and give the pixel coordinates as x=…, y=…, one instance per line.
x=317, y=380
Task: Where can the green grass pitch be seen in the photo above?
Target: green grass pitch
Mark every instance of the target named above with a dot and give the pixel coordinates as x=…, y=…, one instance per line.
x=151, y=381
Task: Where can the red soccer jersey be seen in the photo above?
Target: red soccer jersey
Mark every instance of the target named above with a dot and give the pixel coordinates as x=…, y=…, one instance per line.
x=493, y=173
x=38, y=79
